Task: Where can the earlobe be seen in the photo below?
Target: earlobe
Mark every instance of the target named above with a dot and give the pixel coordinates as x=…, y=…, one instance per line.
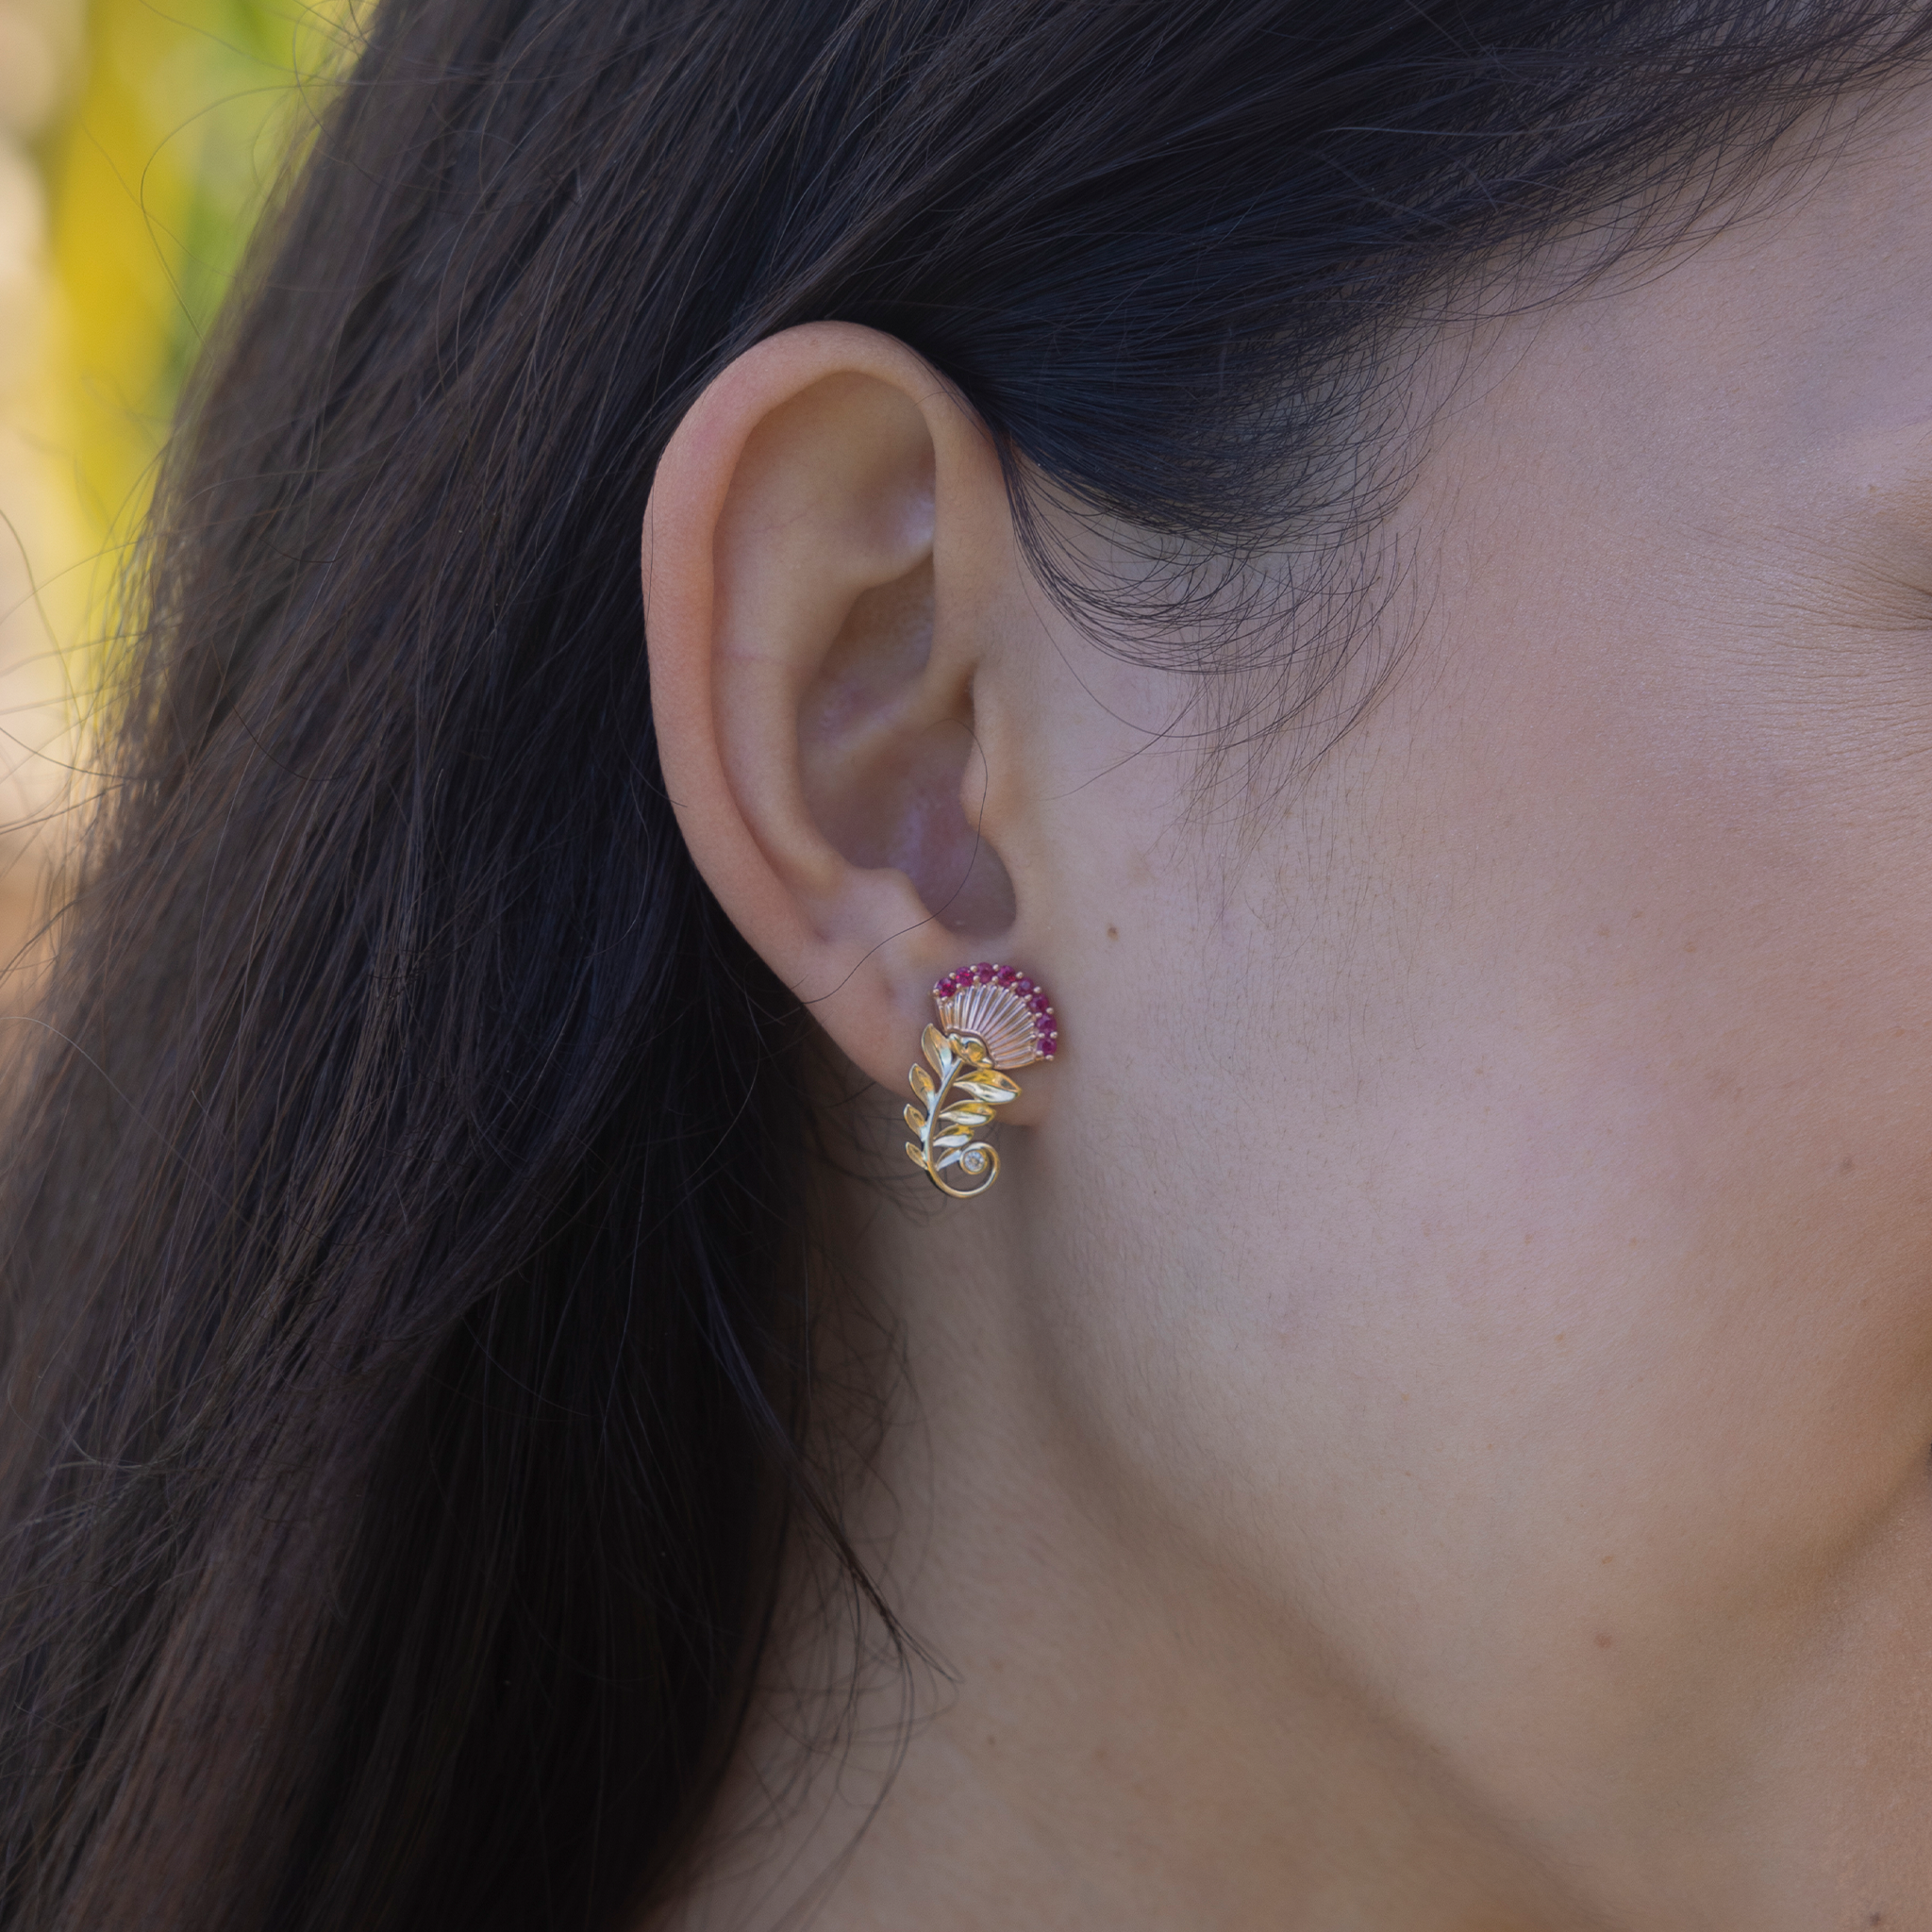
x=826, y=537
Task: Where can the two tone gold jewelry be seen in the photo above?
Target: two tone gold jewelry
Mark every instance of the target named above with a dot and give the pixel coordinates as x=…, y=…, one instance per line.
x=993, y=1019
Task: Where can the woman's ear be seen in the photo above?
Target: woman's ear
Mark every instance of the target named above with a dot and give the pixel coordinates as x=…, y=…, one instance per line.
x=826, y=549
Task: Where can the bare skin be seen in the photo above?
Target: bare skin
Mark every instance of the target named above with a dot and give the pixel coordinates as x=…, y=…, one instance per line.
x=1432, y=1431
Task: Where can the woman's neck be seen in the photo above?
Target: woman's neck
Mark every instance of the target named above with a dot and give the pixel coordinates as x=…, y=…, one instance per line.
x=1090, y=1722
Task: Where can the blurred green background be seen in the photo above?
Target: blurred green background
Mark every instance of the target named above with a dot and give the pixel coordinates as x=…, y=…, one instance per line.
x=176, y=124
x=137, y=143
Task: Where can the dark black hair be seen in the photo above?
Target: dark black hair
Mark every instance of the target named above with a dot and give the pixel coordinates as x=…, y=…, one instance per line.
x=406, y=1303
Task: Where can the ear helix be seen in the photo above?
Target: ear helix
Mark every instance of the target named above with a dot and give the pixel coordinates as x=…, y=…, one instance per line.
x=992, y=1020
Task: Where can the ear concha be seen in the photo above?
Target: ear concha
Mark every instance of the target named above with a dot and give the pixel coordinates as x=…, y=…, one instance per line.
x=1002, y=1007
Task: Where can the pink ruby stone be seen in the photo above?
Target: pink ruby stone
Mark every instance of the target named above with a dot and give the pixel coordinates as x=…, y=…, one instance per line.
x=1023, y=985
x=983, y=973
x=1005, y=975
x=1038, y=1003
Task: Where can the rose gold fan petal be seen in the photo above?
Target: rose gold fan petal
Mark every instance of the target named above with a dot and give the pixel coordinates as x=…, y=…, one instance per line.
x=1013, y=1020
x=996, y=1015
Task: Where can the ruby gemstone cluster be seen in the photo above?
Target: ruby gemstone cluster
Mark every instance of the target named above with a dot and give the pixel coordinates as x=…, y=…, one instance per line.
x=1029, y=992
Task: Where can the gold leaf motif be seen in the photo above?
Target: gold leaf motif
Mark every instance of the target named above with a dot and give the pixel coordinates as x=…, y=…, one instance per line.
x=993, y=1088
x=961, y=1101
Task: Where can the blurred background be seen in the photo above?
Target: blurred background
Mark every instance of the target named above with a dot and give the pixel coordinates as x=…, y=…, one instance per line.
x=137, y=143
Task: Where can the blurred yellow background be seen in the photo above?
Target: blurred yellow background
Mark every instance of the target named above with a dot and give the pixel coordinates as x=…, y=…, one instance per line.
x=137, y=142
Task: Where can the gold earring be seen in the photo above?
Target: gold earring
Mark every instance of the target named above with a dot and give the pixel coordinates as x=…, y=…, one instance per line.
x=992, y=1020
